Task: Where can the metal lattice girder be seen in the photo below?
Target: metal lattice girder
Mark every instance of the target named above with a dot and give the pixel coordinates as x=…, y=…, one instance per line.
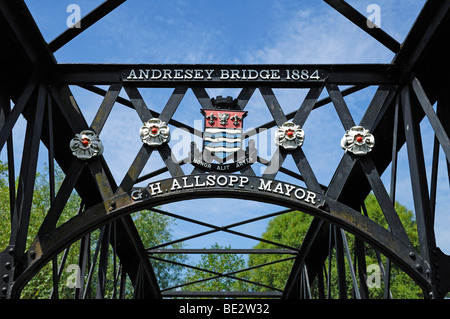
x=361, y=21
x=407, y=90
x=341, y=74
x=29, y=56
x=90, y=19
x=350, y=220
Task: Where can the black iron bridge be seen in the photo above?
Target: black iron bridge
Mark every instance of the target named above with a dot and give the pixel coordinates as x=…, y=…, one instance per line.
x=37, y=87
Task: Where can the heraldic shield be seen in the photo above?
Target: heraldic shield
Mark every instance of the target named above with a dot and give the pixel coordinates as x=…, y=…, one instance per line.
x=222, y=137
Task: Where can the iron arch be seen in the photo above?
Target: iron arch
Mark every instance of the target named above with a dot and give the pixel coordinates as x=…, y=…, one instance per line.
x=408, y=90
x=228, y=186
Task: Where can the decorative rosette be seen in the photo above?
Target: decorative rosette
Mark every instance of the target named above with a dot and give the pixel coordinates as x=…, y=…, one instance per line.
x=155, y=132
x=289, y=136
x=86, y=145
x=358, y=140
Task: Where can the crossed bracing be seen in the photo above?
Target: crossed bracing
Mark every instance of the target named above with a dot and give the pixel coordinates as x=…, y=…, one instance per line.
x=401, y=101
x=175, y=169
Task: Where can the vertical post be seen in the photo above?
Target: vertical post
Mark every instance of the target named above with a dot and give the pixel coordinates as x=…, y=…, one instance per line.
x=340, y=263
x=5, y=110
x=418, y=174
x=103, y=263
x=387, y=277
x=83, y=262
x=27, y=178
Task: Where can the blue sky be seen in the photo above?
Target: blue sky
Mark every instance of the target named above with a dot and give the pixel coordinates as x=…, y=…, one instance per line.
x=227, y=32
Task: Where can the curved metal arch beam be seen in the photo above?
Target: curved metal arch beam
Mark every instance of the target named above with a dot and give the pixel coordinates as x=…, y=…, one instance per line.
x=323, y=207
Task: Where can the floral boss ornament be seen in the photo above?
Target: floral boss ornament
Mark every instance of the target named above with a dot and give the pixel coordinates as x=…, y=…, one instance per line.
x=358, y=140
x=154, y=132
x=289, y=136
x=86, y=145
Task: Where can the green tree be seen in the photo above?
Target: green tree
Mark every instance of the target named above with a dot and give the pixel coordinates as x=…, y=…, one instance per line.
x=155, y=229
x=217, y=264
x=402, y=286
x=41, y=284
x=291, y=228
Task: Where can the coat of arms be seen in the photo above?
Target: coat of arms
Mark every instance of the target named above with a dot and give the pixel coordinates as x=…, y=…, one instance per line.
x=223, y=137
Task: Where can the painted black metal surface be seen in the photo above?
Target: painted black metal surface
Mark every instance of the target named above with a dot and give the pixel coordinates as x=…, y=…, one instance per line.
x=38, y=87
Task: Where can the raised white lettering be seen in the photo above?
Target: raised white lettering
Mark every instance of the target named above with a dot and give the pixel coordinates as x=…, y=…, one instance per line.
x=233, y=179
x=243, y=180
x=156, y=74
x=144, y=74
x=264, y=186
x=178, y=74
x=211, y=180
x=198, y=74
x=288, y=189
x=301, y=191
x=310, y=198
x=155, y=188
x=221, y=180
x=175, y=184
x=188, y=74
x=224, y=74
x=278, y=189
x=167, y=74
x=197, y=184
x=132, y=75
x=186, y=185
x=209, y=73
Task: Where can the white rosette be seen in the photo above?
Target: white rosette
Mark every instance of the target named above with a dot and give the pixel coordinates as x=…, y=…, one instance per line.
x=154, y=132
x=289, y=136
x=86, y=145
x=358, y=141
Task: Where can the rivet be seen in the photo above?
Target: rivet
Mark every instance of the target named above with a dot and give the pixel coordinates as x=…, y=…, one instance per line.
x=8, y=265
x=5, y=278
x=33, y=254
x=4, y=290
x=112, y=205
x=11, y=251
x=412, y=255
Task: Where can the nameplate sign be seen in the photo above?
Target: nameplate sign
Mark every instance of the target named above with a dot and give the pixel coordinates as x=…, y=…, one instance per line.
x=222, y=183
x=250, y=74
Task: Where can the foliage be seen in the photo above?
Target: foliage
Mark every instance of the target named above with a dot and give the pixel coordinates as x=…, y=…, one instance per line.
x=402, y=286
x=154, y=229
x=217, y=264
x=291, y=228
x=42, y=283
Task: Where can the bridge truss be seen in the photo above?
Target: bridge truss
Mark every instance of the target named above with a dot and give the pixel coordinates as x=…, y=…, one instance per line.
x=410, y=89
